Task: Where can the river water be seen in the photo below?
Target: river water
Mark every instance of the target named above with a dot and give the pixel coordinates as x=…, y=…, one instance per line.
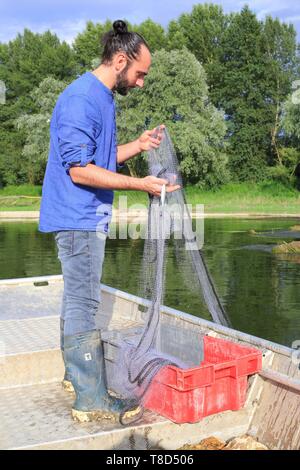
x=259, y=290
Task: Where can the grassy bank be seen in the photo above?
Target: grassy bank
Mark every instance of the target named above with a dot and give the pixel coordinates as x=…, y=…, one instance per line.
x=24, y=197
x=266, y=197
x=249, y=198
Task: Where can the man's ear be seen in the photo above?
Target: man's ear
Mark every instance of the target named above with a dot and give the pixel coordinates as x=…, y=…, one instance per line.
x=120, y=61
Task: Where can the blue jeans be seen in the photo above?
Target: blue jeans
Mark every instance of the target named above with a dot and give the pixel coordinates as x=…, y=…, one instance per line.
x=81, y=254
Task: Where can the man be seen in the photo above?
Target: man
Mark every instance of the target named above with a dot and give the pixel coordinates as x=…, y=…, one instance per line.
x=77, y=204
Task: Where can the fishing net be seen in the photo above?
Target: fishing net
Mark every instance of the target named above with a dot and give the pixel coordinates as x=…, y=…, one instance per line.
x=140, y=354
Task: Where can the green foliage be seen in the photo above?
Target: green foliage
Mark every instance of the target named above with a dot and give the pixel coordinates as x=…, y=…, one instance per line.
x=282, y=174
x=169, y=92
x=175, y=36
x=30, y=58
x=249, y=66
x=290, y=158
x=279, y=41
x=24, y=63
x=201, y=32
x=246, y=72
x=241, y=94
x=242, y=88
x=36, y=128
x=153, y=33
x=290, y=122
x=291, y=116
x=88, y=44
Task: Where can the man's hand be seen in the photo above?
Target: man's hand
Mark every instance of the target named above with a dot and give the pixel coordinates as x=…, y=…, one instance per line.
x=146, y=141
x=153, y=185
x=150, y=139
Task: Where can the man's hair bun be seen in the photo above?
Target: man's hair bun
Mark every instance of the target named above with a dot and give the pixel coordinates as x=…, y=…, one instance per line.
x=120, y=39
x=120, y=27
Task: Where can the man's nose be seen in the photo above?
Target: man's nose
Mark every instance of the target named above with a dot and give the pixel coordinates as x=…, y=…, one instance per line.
x=140, y=82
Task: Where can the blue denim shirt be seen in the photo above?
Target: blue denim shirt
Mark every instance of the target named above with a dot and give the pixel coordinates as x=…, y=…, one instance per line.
x=82, y=131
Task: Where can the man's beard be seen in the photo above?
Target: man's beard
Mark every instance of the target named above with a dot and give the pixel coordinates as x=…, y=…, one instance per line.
x=122, y=87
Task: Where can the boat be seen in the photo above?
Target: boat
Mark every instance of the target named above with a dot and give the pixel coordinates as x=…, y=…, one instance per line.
x=35, y=409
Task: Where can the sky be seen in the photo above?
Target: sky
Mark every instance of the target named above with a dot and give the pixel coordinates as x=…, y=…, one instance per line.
x=68, y=17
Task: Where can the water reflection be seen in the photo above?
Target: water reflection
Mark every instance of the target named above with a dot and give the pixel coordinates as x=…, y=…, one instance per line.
x=259, y=290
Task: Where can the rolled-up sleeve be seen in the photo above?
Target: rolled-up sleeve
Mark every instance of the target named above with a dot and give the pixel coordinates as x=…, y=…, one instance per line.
x=78, y=125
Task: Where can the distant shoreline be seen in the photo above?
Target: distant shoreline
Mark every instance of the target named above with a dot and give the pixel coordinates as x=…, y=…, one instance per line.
x=34, y=215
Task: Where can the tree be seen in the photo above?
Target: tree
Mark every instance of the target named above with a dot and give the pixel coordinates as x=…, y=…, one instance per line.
x=204, y=28
x=288, y=168
x=279, y=40
x=88, y=45
x=240, y=89
x=250, y=66
x=153, y=33
x=291, y=115
x=201, y=32
x=36, y=128
x=31, y=57
x=24, y=63
x=176, y=94
x=175, y=36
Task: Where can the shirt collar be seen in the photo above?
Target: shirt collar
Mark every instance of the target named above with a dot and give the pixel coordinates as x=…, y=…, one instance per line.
x=104, y=87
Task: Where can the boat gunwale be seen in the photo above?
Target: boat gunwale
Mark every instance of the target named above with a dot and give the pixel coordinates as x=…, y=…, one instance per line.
x=169, y=311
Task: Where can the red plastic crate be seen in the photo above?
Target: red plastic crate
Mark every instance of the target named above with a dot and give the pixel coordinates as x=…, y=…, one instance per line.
x=218, y=384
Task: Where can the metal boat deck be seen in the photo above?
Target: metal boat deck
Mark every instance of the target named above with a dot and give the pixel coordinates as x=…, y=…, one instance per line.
x=35, y=410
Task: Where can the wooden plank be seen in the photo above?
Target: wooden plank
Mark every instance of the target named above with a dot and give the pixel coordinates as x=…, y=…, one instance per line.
x=276, y=421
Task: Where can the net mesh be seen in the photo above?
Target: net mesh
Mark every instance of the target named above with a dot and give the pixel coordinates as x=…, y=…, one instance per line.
x=141, y=355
